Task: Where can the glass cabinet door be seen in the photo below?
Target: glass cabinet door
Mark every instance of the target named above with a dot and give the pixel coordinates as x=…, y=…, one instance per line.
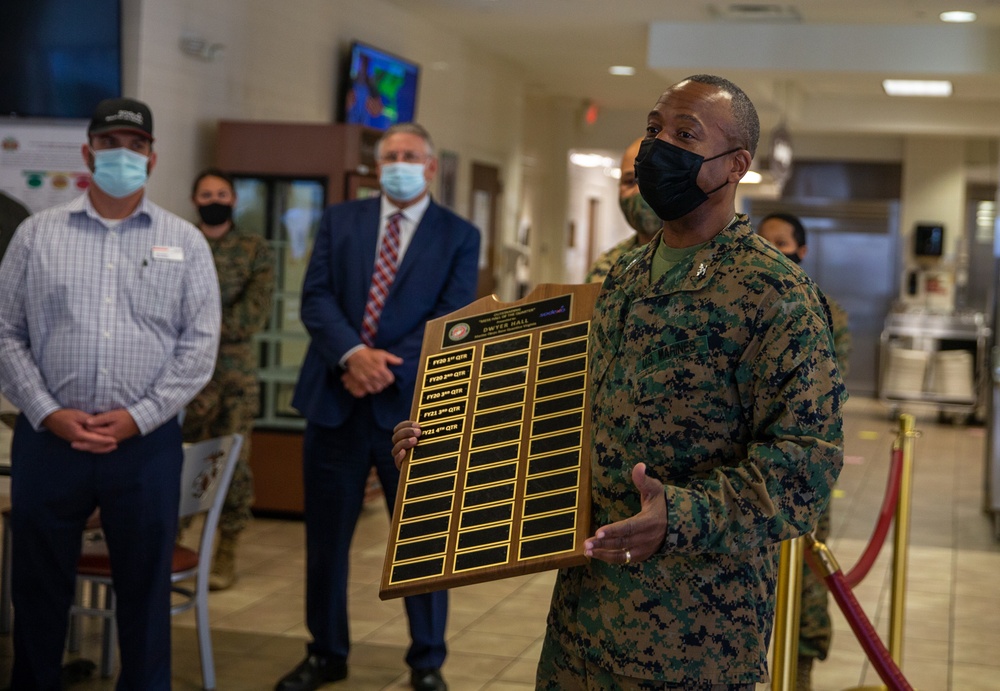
x=287, y=213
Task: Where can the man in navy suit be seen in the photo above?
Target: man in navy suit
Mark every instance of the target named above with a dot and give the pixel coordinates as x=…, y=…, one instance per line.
x=373, y=282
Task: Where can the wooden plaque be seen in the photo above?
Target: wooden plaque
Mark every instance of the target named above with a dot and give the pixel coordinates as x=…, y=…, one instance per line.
x=499, y=483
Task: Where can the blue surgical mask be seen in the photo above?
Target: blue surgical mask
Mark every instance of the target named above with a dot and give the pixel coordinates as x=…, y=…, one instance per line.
x=403, y=181
x=120, y=172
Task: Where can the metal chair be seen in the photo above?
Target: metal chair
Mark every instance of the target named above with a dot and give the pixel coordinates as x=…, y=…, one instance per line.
x=205, y=476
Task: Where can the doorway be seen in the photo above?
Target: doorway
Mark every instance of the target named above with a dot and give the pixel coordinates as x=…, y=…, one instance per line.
x=485, y=198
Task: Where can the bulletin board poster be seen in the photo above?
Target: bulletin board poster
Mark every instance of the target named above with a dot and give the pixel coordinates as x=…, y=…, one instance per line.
x=41, y=165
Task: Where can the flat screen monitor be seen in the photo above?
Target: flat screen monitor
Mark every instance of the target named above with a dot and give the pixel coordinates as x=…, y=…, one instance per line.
x=381, y=88
x=59, y=58
x=929, y=240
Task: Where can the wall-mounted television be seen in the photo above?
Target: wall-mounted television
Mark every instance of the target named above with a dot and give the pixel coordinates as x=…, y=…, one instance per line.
x=380, y=88
x=59, y=58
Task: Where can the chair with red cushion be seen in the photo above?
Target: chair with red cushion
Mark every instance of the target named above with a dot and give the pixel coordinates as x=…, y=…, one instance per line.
x=205, y=476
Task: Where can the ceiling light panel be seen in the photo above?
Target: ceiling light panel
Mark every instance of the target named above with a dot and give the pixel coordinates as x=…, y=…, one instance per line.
x=958, y=17
x=917, y=87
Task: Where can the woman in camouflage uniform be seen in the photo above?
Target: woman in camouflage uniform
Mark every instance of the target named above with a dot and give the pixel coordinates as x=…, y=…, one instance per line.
x=230, y=401
x=787, y=233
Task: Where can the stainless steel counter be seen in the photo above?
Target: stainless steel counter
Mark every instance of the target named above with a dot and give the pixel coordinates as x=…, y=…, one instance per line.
x=922, y=358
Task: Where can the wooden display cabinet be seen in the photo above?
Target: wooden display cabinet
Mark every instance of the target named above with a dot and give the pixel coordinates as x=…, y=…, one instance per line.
x=285, y=175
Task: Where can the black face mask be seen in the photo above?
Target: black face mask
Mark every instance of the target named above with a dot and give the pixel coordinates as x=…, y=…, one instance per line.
x=794, y=256
x=215, y=214
x=668, y=178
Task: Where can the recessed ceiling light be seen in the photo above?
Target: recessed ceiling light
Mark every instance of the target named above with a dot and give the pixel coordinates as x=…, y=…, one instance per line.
x=916, y=87
x=958, y=16
x=622, y=70
x=752, y=177
x=590, y=160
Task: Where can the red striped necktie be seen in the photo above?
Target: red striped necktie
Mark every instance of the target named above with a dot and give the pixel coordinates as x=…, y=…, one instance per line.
x=382, y=278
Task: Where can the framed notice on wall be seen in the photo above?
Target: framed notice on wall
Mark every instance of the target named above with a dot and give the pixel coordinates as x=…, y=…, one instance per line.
x=499, y=483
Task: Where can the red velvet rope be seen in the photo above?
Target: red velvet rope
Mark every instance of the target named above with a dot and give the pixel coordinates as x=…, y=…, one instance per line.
x=864, y=565
x=880, y=658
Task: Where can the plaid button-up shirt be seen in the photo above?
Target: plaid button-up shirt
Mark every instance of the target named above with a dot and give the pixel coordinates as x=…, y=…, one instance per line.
x=99, y=315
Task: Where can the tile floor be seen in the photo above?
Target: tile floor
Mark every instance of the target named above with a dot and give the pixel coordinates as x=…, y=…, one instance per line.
x=951, y=641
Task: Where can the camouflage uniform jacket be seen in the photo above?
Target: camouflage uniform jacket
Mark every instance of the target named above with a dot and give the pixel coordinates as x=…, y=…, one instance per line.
x=841, y=335
x=245, y=265
x=602, y=265
x=721, y=378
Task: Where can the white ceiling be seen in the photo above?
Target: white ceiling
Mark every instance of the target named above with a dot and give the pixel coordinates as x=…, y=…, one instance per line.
x=565, y=47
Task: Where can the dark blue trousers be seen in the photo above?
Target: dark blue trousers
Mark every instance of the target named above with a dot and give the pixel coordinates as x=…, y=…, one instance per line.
x=54, y=489
x=336, y=463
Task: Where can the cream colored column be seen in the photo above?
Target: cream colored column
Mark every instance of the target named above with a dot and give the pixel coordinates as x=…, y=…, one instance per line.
x=549, y=135
x=933, y=192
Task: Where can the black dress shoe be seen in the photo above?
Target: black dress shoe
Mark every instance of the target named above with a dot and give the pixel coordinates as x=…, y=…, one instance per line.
x=312, y=673
x=77, y=671
x=427, y=680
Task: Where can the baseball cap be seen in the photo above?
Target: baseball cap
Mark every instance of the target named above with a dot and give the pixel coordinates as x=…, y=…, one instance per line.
x=121, y=114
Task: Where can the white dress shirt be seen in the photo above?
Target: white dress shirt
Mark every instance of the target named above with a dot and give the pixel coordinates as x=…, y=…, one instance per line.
x=412, y=215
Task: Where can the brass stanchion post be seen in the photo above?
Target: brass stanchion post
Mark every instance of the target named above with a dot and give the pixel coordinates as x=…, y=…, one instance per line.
x=900, y=544
x=786, y=616
x=901, y=541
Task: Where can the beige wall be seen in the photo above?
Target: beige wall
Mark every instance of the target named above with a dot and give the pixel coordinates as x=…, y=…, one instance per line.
x=933, y=193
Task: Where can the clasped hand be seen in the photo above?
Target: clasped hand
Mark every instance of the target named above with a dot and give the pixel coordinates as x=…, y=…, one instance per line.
x=368, y=371
x=99, y=433
x=634, y=539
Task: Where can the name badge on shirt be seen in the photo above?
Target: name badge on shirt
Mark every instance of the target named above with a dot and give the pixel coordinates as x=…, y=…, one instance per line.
x=168, y=254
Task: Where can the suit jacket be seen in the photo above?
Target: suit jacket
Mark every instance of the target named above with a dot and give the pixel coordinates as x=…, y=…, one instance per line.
x=437, y=275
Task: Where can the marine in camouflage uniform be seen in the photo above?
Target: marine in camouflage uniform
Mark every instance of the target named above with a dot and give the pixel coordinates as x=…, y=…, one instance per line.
x=638, y=214
x=788, y=234
x=719, y=376
x=230, y=402
x=815, y=626
x=602, y=265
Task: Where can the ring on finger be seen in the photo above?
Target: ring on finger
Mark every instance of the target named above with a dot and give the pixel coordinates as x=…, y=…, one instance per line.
x=628, y=556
